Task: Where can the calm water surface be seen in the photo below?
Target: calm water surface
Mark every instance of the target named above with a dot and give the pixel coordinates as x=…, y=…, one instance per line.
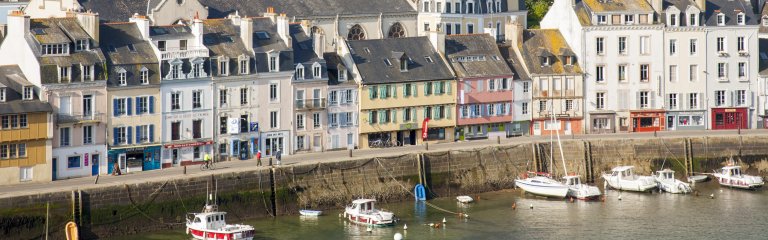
x=732, y=214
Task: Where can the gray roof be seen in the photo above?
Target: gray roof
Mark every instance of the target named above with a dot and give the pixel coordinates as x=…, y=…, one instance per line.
x=547, y=43
x=333, y=61
x=122, y=44
x=730, y=8
x=763, y=57
x=13, y=79
x=273, y=42
x=170, y=32
x=763, y=14
x=303, y=51
x=508, y=52
x=681, y=5
x=475, y=45
x=57, y=30
x=222, y=38
x=370, y=56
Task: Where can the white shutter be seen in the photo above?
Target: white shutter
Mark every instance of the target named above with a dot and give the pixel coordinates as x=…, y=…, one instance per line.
x=751, y=98
x=637, y=99
x=652, y=98
x=731, y=95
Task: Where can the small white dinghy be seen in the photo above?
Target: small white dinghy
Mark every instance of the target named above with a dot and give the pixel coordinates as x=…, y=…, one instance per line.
x=465, y=199
x=666, y=182
x=623, y=178
x=730, y=176
x=311, y=213
x=698, y=178
x=580, y=191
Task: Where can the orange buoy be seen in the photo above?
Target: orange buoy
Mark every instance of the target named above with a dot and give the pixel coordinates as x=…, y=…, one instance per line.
x=514, y=206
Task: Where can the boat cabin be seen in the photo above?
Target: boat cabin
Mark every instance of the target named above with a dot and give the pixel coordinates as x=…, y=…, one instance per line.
x=623, y=171
x=212, y=220
x=666, y=174
x=363, y=205
x=734, y=171
x=572, y=180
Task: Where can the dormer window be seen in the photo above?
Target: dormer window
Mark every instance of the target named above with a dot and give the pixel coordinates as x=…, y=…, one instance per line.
x=342, y=73
x=720, y=19
x=404, y=64
x=568, y=60
x=2, y=94
x=245, y=67
x=300, y=72
x=765, y=21
x=55, y=49
x=673, y=19
x=740, y=18
x=629, y=19
x=161, y=45
x=470, y=7
x=87, y=73
x=81, y=45
x=317, y=73
x=274, y=62
x=223, y=66
x=545, y=61
x=64, y=74
x=693, y=20
x=602, y=19
x=144, y=76
x=29, y=92
x=122, y=77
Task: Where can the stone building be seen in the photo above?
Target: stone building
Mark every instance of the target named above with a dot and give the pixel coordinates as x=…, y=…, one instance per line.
x=469, y=16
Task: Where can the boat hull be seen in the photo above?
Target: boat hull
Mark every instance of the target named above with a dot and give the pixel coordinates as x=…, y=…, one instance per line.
x=311, y=213
x=739, y=183
x=218, y=235
x=367, y=221
x=584, y=192
x=642, y=184
x=553, y=191
x=673, y=186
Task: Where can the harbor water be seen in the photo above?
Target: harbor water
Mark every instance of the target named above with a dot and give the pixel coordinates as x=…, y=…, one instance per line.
x=715, y=213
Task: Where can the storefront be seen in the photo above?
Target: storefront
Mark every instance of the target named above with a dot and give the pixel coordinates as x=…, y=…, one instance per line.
x=484, y=131
x=185, y=153
x=729, y=118
x=134, y=159
x=686, y=120
x=565, y=126
x=647, y=121
x=602, y=122
x=243, y=148
x=271, y=142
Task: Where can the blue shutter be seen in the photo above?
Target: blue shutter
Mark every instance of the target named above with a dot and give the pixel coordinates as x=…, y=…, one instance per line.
x=128, y=101
x=138, y=133
x=138, y=106
x=114, y=107
x=232, y=147
x=342, y=119
x=151, y=104
x=114, y=137
x=151, y=133
x=129, y=137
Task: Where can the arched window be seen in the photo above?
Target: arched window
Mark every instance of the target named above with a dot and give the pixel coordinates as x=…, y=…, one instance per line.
x=356, y=33
x=396, y=31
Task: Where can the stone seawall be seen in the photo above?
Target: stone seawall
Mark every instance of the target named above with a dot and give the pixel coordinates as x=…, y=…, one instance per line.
x=113, y=210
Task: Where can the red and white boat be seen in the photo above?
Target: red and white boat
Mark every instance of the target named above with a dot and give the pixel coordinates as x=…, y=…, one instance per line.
x=210, y=225
x=363, y=211
x=731, y=176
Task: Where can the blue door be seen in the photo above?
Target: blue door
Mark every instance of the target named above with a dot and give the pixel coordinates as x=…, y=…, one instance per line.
x=94, y=165
x=55, y=162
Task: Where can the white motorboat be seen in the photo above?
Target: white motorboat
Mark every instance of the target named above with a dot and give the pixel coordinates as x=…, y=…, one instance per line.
x=464, y=199
x=364, y=212
x=311, y=213
x=541, y=184
x=623, y=178
x=665, y=180
x=580, y=191
x=731, y=176
x=210, y=225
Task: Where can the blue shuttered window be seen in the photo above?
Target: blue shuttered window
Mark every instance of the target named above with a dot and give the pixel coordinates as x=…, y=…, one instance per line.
x=114, y=137
x=114, y=107
x=128, y=101
x=151, y=104
x=151, y=133
x=129, y=136
x=138, y=134
x=138, y=106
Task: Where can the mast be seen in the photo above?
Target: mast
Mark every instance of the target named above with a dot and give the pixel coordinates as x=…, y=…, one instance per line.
x=559, y=145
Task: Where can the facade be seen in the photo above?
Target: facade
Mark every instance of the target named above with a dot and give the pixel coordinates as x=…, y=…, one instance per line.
x=762, y=86
x=684, y=64
x=133, y=95
x=469, y=16
x=51, y=8
x=557, y=83
x=732, y=28
x=484, y=86
x=310, y=93
x=342, y=105
x=404, y=86
x=522, y=85
x=25, y=130
x=621, y=45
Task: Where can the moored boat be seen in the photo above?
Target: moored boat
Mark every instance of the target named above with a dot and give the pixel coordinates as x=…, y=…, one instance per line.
x=464, y=199
x=578, y=190
x=665, y=180
x=211, y=225
x=542, y=185
x=71, y=231
x=698, y=178
x=364, y=212
x=313, y=213
x=623, y=178
x=731, y=176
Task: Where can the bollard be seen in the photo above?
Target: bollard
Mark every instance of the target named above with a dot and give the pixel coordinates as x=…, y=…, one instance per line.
x=185, y=169
x=654, y=133
x=427, y=145
x=270, y=161
x=97, y=180
x=350, y=152
x=498, y=139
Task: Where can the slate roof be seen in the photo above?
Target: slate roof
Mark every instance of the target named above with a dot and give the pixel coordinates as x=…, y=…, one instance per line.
x=599, y=6
x=222, y=38
x=303, y=51
x=582, y=14
x=117, y=41
x=763, y=13
x=730, y=8
x=763, y=57
x=120, y=10
x=508, y=52
x=56, y=30
x=333, y=60
x=369, y=57
x=13, y=79
x=274, y=42
x=170, y=32
x=550, y=43
x=681, y=5
x=475, y=45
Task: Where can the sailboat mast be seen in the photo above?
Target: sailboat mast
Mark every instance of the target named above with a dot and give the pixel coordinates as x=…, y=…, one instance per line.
x=559, y=144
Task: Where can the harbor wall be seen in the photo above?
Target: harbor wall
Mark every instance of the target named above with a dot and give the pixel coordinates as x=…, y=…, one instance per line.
x=114, y=210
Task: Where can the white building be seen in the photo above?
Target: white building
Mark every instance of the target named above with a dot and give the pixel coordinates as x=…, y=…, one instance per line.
x=342, y=105
x=469, y=16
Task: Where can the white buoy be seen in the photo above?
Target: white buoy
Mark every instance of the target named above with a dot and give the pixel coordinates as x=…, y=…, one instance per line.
x=531, y=206
x=444, y=220
x=398, y=236
x=619, y=197
x=405, y=226
x=721, y=190
x=712, y=196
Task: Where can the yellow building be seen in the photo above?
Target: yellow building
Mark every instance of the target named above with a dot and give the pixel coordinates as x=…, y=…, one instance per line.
x=402, y=82
x=25, y=130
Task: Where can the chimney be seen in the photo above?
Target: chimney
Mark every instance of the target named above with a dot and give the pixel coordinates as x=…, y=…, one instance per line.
x=246, y=32
x=18, y=24
x=90, y=22
x=142, y=22
x=513, y=32
x=283, y=29
x=270, y=13
x=197, y=30
x=702, y=4
x=438, y=41
x=235, y=17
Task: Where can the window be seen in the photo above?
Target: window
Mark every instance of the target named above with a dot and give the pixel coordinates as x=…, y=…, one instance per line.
x=175, y=131
x=741, y=97
x=196, y=152
x=316, y=73
x=721, y=44
x=644, y=72
x=273, y=119
x=600, y=45
x=273, y=63
x=5, y=122
x=28, y=92
x=316, y=120
x=161, y=45
x=720, y=19
x=692, y=49
x=672, y=101
x=721, y=70
x=629, y=19
x=197, y=101
x=2, y=94
x=197, y=70
x=543, y=106
x=568, y=105
x=719, y=98
x=333, y=97
x=120, y=106
x=622, y=45
x=602, y=19
x=356, y=33
x=524, y=108
x=457, y=9
x=693, y=72
x=87, y=72
x=673, y=73
x=673, y=19
x=183, y=45
x=742, y=70
x=672, y=46
x=120, y=135
x=142, y=105
x=243, y=96
x=622, y=72
x=600, y=100
x=22, y=149
x=244, y=66
x=273, y=92
x=64, y=136
x=175, y=71
x=55, y=49
x=222, y=97
x=428, y=111
x=300, y=72
x=600, y=74
x=470, y=7
x=23, y=121
x=197, y=129
x=175, y=101
x=348, y=96
x=740, y=18
x=645, y=44
x=87, y=134
x=300, y=142
x=73, y=162
x=223, y=125
x=300, y=121
x=526, y=86
x=693, y=100
x=223, y=66
x=470, y=28
x=63, y=74
x=644, y=99
x=144, y=75
x=692, y=20
x=457, y=28
x=740, y=44
x=4, y=151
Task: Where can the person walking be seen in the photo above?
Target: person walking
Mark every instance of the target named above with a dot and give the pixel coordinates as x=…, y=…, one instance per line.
x=258, y=158
x=278, y=156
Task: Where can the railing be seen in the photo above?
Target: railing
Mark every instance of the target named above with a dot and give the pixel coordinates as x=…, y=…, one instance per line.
x=173, y=53
x=69, y=118
x=316, y=103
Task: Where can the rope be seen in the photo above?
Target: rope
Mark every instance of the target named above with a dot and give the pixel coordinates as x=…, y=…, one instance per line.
x=359, y=166
x=264, y=200
x=152, y=196
x=409, y=191
x=178, y=195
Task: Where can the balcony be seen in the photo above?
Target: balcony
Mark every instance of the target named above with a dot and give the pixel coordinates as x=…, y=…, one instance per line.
x=183, y=53
x=310, y=104
x=69, y=118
